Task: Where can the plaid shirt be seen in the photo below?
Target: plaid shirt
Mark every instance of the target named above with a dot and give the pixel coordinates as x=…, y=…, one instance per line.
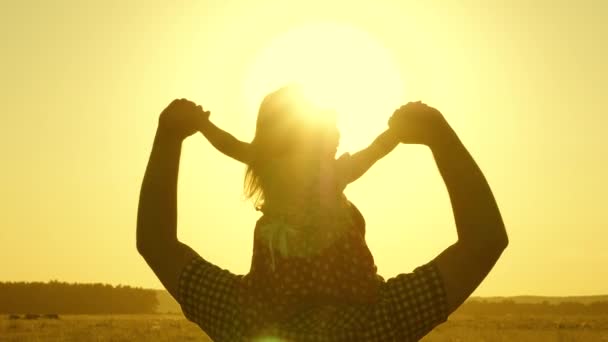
x=407, y=308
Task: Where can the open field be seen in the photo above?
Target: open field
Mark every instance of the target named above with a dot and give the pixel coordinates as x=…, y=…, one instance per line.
x=102, y=328
x=175, y=328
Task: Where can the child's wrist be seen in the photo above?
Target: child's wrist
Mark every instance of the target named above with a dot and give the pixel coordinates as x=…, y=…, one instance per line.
x=392, y=135
x=205, y=123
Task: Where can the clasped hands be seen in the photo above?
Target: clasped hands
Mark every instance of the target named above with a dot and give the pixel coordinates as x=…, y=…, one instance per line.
x=418, y=123
x=413, y=123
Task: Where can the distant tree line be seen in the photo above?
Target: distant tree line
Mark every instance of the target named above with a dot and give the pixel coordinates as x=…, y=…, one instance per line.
x=481, y=307
x=66, y=298
x=73, y=298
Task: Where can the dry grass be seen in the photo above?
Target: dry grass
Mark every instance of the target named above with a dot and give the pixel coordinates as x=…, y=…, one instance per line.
x=116, y=328
x=521, y=328
x=176, y=328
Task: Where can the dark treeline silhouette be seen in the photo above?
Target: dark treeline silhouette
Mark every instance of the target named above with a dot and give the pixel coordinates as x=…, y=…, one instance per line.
x=507, y=306
x=65, y=298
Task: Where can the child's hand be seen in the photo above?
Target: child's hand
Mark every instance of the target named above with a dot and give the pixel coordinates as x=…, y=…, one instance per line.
x=206, y=114
x=417, y=123
x=204, y=123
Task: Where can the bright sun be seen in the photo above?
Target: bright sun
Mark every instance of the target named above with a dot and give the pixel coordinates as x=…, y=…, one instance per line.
x=341, y=67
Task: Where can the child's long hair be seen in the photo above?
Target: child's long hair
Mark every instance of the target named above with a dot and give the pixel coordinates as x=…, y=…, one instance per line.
x=282, y=122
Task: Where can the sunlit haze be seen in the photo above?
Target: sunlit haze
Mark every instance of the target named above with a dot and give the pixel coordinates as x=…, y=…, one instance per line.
x=523, y=83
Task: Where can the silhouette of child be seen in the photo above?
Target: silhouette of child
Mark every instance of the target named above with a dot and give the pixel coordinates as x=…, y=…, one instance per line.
x=309, y=245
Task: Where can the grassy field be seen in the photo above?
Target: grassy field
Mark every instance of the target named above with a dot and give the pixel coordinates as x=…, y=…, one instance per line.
x=176, y=328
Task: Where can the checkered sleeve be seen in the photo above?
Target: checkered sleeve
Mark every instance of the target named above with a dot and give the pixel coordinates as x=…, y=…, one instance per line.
x=416, y=301
x=208, y=297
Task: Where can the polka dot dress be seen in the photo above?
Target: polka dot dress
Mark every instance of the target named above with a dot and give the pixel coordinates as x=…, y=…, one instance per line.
x=282, y=285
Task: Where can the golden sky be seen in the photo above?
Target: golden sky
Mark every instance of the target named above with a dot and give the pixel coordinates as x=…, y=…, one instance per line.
x=524, y=83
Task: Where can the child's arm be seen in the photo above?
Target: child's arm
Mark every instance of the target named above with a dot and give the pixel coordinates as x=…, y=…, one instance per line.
x=361, y=161
x=226, y=143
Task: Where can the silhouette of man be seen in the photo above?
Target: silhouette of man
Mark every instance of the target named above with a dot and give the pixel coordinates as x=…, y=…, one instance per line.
x=461, y=267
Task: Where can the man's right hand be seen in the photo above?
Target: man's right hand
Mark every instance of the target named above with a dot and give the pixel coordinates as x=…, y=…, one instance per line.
x=417, y=123
x=181, y=119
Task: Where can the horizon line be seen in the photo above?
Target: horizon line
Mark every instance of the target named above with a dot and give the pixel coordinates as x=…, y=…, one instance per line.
x=163, y=289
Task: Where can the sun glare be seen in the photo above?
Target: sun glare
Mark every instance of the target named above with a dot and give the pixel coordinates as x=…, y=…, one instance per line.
x=339, y=67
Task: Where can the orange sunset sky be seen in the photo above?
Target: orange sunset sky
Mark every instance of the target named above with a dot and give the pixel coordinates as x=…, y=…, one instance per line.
x=524, y=84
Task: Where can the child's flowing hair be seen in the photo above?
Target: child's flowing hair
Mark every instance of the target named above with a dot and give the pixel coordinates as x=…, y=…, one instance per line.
x=282, y=122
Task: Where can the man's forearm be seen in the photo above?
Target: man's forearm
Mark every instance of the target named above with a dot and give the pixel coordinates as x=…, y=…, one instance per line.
x=476, y=213
x=157, y=212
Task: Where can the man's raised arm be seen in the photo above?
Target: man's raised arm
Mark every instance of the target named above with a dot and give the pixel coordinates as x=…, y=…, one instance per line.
x=157, y=213
x=481, y=232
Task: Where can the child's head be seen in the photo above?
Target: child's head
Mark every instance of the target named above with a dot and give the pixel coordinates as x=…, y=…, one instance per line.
x=289, y=124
